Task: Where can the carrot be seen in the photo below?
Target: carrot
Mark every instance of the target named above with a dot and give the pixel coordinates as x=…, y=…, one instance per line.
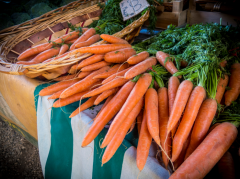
x=107, y=113
x=139, y=121
x=119, y=56
x=34, y=50
x=63, y=49
x=83, y=74
x=173, y=85
x=134, y=97
x=67, y=77
x=71, y=99
x=42, y=56
x=105, y=94
x=56, y=95
x=140, y=67
x=55, y=58
x=222, y=84
x=84, y=106
x=88, y=42
x=57, y=87
x=121, y=132
x=226, y=166
x=223, y=63
x=28, y=58
x=71, y=41
x=201, y=126
x=193, y=105
x=180, y=158
x=144, y=143
x=165, y=138
x=105, y=48
x=105, y=104
x=183, y=93
x=184, y=63
x=234, y=84
x=118, y=74
x=69, y=36
x=113, y=40
x=116, y=68
x=95, y=66
x=85, y=36
x=83, y=84
x=208, y=153
x=151, y=108
x=138, y=58
x=90, y=60
x=169, y=65
x=110, y=85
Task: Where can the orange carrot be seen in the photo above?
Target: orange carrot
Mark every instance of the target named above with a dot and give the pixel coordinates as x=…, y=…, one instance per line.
x=67, y=77
x=95, y=66
x=118, y=74
x=113, y=70
x=108, y=112
x=110, y=85
x=105, y=94
x=71, y=41
x=42, y=56
x=180, y=158
x=151, y=108
x=140, y=67
x=56, y=95
x=144, y=143
x=234, y=84
x=201, y=126
x=63, y=49
x=71, y=99
x=223, y=63
x=84, y=106
x=222, y=84
x=183, y=93
x=34, y=50
x=173, y=85
x=57, y=87
x=139, y=121
x=138, y=58
x=119, y=56
x=69, y=36
x=83, y=74
x=121, y=132
x=105, y=104
x=193, y=105
x=165, y=138
x=85, y=36
x=208, y=153
x=134, y=97
x=83, y=84
x=226, y=166
x=100, y=49
x=88, y=42
x=169, y=65
x=28, y=58
x=113, y=40
x=90, y=60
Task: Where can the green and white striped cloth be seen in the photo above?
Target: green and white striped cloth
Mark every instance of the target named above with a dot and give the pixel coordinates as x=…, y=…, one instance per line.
x=61, y=154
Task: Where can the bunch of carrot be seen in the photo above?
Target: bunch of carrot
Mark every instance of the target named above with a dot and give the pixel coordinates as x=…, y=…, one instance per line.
x=177, y=118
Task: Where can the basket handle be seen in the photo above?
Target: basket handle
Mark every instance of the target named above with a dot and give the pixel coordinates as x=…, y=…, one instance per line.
x=14, y=70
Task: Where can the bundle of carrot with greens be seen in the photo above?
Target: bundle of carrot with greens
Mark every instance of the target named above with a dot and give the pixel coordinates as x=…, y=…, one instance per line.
x=176, y=116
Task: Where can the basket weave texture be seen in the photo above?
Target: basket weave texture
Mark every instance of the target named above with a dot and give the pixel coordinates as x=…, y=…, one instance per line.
x=74, y=12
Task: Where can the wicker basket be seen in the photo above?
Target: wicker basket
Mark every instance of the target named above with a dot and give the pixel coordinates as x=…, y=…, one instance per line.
x=16, y=39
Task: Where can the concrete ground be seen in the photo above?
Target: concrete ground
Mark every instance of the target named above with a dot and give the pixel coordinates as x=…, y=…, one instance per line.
x=18, y=157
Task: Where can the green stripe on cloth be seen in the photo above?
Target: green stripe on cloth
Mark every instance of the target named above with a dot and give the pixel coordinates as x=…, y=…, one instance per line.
x=113, y=168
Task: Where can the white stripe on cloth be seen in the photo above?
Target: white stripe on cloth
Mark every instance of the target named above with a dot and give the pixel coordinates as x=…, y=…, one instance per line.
x=152, y=169
x=82, y=164
x=44, y=110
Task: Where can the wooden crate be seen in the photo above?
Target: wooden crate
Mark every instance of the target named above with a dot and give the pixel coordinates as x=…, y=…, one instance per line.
x=177, y=17
x=196, y=17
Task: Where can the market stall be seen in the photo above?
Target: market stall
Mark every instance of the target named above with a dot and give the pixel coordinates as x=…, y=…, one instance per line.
x=118, y=108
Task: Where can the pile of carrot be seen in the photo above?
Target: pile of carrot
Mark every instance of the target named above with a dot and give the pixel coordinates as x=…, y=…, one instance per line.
x=176, y=117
